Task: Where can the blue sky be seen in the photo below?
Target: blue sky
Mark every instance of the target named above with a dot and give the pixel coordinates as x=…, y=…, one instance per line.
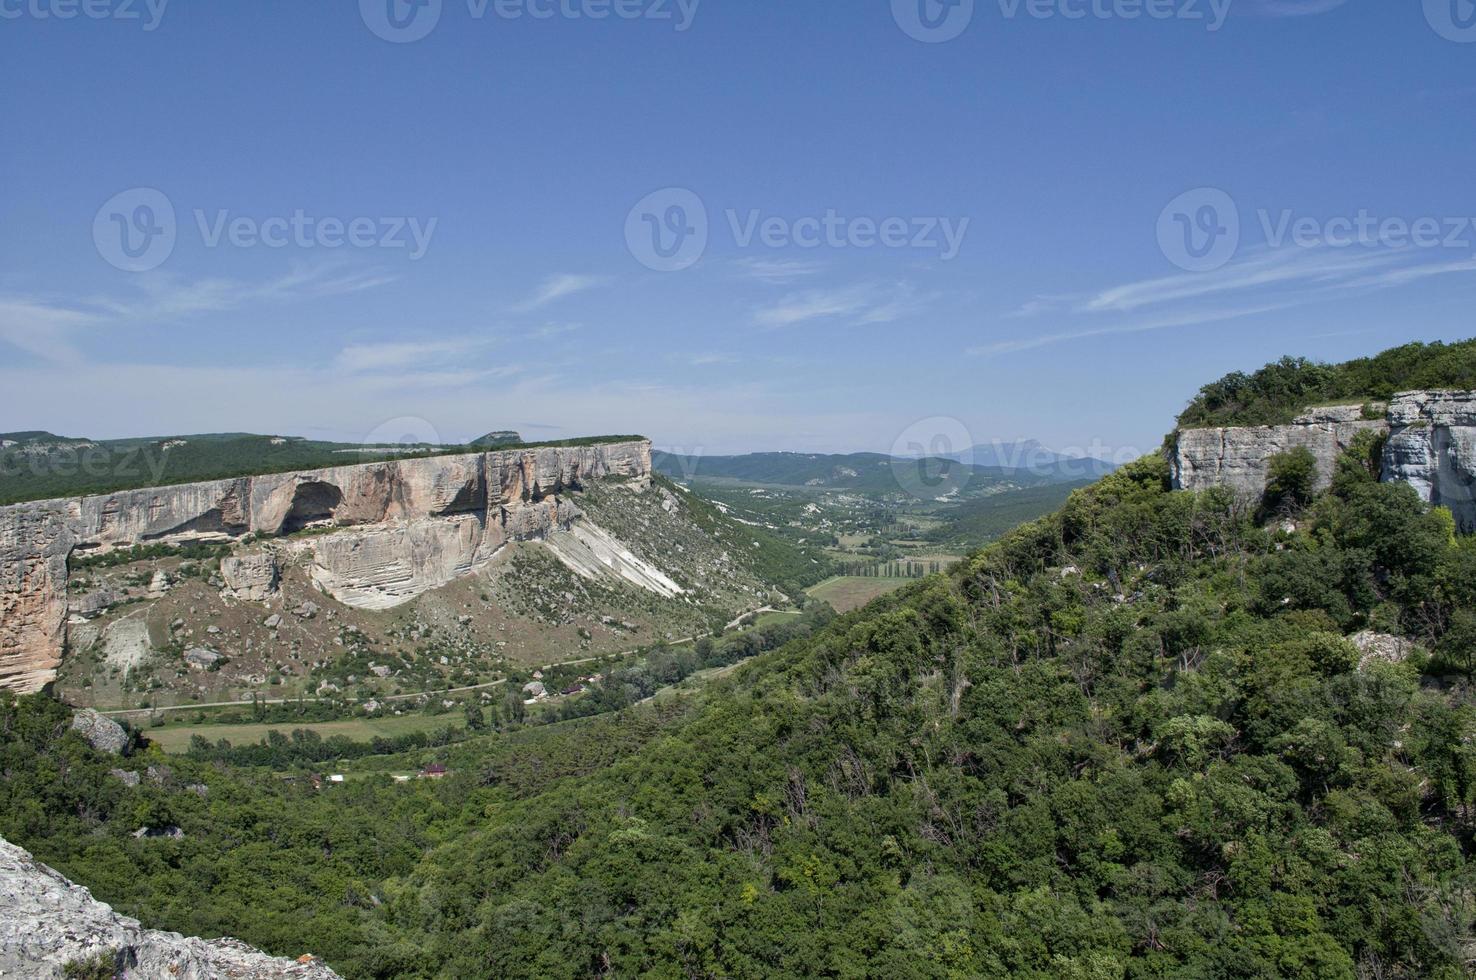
x=1068, y=157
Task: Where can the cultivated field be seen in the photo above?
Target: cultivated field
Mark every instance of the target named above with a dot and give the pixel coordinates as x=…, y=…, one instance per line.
x=176, y=738
x=847, y=592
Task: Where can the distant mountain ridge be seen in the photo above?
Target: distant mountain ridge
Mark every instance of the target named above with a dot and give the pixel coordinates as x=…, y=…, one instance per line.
x=1031, y=465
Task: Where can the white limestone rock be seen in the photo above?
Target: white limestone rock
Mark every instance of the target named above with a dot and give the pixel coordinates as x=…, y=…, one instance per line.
x=46, y=922
x=102, y=733
x=251, y=578
x=1240, y=458
x=1381, y=647
x=1432, y=447
x=424, y=521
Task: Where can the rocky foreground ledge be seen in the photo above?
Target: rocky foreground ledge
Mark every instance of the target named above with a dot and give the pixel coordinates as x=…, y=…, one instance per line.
x=46, y=923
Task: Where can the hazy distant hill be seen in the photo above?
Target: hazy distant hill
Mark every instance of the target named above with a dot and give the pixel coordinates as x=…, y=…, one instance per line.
x=1029, y=454
x=872, y=472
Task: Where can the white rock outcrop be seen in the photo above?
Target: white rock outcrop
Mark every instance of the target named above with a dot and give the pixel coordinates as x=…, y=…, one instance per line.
x=102, y=733
x=1431, y=447
x=1240, y=458
x=590, y=552
x=46, y=923
x=416, y=524
x=252, y=578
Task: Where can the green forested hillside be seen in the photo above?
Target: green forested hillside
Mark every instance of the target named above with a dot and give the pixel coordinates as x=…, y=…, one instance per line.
x=1132, y=739
x=1276, y=393
x=977, y=522
x=863, y=472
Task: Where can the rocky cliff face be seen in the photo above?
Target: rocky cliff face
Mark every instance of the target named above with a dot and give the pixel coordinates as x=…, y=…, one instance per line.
x=1431, y=446
x=403, y=528
x=1239, y=458
x=47, y=923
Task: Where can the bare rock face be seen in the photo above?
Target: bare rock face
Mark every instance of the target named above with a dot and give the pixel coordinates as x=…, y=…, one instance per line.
x=405, y=527
x=252, y=578
x=46, y=923
x=101, y=732
x=1240, y=458
x=1381, y=647
x=1432, y=447
x=35, y=540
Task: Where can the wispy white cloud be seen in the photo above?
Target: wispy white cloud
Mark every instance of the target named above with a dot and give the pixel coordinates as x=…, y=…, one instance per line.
x=51, y=328
x=557, y=287
x=778, y=271
x=711, y=358
x=862, y=305
x=42, y=328
x=551, y=330
x=359, y=358
x=168, y=297
x=902, y=302
x=1263, y=281
x=1170, y=322
x=1262, y=268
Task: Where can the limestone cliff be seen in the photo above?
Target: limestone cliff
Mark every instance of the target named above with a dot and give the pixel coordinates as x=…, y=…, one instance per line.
x=1431, y=446
x=404, y=527
x=1239, y=458
x=47, y=923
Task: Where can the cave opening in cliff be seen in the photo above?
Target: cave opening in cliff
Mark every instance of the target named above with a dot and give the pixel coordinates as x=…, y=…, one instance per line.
x=313, y=504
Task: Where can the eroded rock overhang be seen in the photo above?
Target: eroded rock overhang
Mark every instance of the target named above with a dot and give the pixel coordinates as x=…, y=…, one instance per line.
x=403, y=527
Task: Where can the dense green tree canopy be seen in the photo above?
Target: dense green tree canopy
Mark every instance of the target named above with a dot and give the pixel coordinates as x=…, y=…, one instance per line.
x=1276, y=393
x=1133, y=739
